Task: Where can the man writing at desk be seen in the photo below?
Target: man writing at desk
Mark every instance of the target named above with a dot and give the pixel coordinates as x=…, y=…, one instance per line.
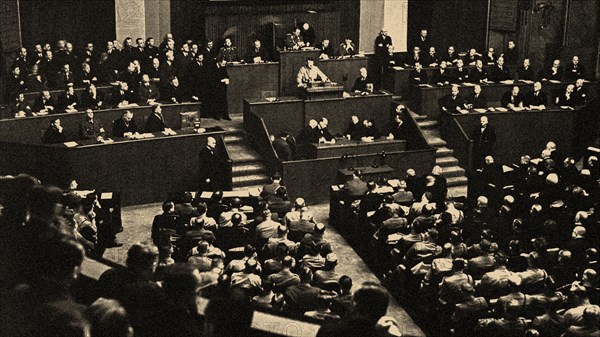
x=309, y=74
x=124, y=126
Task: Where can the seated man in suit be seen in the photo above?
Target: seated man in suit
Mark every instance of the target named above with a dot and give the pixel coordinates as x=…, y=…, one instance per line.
x=568, y=98
x=452, y=102
x=355, y=130
x=44, y=103
x=54, y=133
x=309, y=133
x=431, y=59
x=536, y=99
x=64, y=77
x=478, y=74
x=294, y=40
x=68, y=101
x=476, y=100
x=370, y=132
x=257, y=54
x=124, y=126
x=156, y=121
x=574, y=70
x=309, y=74
x=472, y=57
x=553, y=73
x=461, y=74
x=91, y=98
x=228, y=51
x=451, y=57
x=20, y=108
x=500, y=72
x=442, y=76
x=418, y=75
x=90, y=127
x=148, y=91
x=326, y=51
x=414, y=57
x=356, y=186
x=490, y=57
x=323, y=133
x=363, y=82
x=174, y=93
x=580, y=92
x=525, y=72
x=123, y=96
x=347, y=48
x=512, y=99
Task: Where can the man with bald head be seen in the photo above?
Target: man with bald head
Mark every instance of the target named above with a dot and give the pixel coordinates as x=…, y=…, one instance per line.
x=125, y=126
x=552, y=73
x=574, y=70
x=580, y=92
x=512, y=99
x=476, y=100
x=210, y=167
x=536, y=99
x=568, y=98
x=452, y=102
x=484, y=137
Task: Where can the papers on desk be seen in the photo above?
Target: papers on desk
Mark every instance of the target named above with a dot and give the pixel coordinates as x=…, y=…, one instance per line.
x=70, y=144
x=398, y=68
x=83, y=193
x=507, y=82
x=336, y=188
x=106, y=196
x=469, y=84
x=394, y=183
x=394, y=238
x=169, y=132
x=501, y=109
x=106, y=141
x=526, y=81
x=480, y=110
x=506, y=169
x=206, y=195
x=463, y=111
x=554, y=81
x=566, y=107
x=536, y=160
x=142, y=136
x=236, y=194
x=384, y=190
x=254, y=192
x=425, y=86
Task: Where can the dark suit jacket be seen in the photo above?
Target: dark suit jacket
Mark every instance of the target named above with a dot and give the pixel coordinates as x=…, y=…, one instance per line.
x=461, y=75
x=360, y=84
x=486, y=138
x=119, y=96
x=508, y=98
x=418, y=78
x=64, y=101
x=323, y=133
x=41, y=104
x=283, y=149
x=525, y=74
x=155, y=123
x=52, y=136
x=574, y=73
x=547, y=74
x=411, y=59
x=252, y=53
x=451, y=104
x=429, y=59
x=148, y=92
x=476, y=76
x=120, y=128
x=439, y=77
x=478, y=102
x=497, y=74
x=384, y=42
x=210, y=168
x=87, y=101
x=170, y=92
x=356, y=187
x=89, y=130
x=531, y=99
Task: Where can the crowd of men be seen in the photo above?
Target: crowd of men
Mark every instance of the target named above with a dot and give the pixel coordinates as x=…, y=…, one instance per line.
x=209, y=266
x=521, y=261
x=141, y=74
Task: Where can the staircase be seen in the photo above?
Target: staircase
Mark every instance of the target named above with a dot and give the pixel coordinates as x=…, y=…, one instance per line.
x=248, y=171
x=457, y=181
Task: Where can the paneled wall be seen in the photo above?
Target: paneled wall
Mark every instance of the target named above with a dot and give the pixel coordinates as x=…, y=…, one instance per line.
x=245, y=21
x=78, y=21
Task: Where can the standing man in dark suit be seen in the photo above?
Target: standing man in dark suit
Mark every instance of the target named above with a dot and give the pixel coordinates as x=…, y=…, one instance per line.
x=216, y=102
x=422, y=41
x=124, y=125
x=484, y=137
x=382, y=41
x=510, y=54
x=156, y=121
x=148, y=91
x=282, y=147
x=210, y=167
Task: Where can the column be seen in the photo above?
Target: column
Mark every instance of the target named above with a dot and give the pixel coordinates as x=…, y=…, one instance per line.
x=389, y=14
x=142, y=18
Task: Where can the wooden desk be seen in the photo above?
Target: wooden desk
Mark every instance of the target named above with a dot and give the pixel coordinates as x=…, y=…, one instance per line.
x=344, y=70
x=143, y=171
x=353, y=148
x=290, y=63
x=517, y=133
x=424, y=100
x=322, y=91
x=251, y=81
x=368, y=173
x=286, y=113
x=30, y=129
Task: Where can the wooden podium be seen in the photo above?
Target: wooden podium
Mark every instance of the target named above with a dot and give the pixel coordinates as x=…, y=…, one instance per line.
x=290, y=61
x=322, y=90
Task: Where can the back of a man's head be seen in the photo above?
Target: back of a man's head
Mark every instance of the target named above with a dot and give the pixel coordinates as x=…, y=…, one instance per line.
x=142, y=256
x=108, y=319
x=180, y=282
x=371, y=301
x=306, y=275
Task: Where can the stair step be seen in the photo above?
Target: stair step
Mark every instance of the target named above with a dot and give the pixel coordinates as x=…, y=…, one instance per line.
x=250, y=180
x=457, y=181
x=443, y=152
x=457, y=191
x=446, y=161
x=241, y=153
x=242, y=169
x=234, y=137
x=427, y=124
x=453, y=171
x=436, y=141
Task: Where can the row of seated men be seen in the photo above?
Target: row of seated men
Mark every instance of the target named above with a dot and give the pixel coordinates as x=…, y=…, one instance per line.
x=152, y=296
x=523, y=257
x=316, y=132
x=498, y=72
x=574, y=95
x=92, y=128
